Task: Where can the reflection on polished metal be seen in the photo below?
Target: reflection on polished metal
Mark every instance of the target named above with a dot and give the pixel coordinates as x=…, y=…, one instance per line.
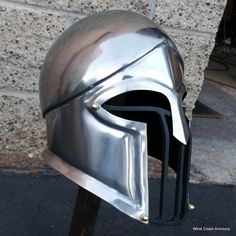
x=191, y=206
x=95, y=106
x=92, y=138
x=144, y=218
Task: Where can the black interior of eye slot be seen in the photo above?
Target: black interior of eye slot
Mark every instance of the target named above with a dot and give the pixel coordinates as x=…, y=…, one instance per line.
x=148, y=99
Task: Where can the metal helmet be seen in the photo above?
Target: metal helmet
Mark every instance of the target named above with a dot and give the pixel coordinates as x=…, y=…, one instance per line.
x=111, y=90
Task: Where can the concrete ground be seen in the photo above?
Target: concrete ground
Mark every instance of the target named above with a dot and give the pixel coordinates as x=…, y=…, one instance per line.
x=214, y=140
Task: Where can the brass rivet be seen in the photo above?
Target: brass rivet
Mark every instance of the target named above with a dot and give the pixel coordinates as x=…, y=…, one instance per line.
x=144, y=218
x=191, y=206
x=95, y=106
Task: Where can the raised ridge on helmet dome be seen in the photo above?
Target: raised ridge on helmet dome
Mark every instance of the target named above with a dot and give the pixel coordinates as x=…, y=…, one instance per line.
x=92, y=49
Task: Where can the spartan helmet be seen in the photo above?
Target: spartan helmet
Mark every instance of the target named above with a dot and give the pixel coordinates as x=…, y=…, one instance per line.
x=111, y=90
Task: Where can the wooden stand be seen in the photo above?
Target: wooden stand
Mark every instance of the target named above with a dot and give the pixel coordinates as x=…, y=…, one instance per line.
x=85, y=213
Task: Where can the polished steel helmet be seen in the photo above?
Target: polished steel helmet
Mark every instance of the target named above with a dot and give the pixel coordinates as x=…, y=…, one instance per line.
x=111, y=90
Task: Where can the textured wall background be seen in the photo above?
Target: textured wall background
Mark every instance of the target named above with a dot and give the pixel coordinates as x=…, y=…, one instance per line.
x=29, y=27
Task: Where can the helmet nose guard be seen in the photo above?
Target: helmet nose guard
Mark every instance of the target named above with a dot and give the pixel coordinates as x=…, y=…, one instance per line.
x=111, y=91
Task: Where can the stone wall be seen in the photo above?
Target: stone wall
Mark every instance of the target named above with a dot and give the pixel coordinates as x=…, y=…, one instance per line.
x=29, y=27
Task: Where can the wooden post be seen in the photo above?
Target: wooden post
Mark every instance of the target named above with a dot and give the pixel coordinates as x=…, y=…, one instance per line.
x=85, y=213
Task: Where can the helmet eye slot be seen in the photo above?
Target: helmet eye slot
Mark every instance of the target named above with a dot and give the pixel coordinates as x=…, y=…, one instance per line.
x=148, y=107
x=140, y=98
